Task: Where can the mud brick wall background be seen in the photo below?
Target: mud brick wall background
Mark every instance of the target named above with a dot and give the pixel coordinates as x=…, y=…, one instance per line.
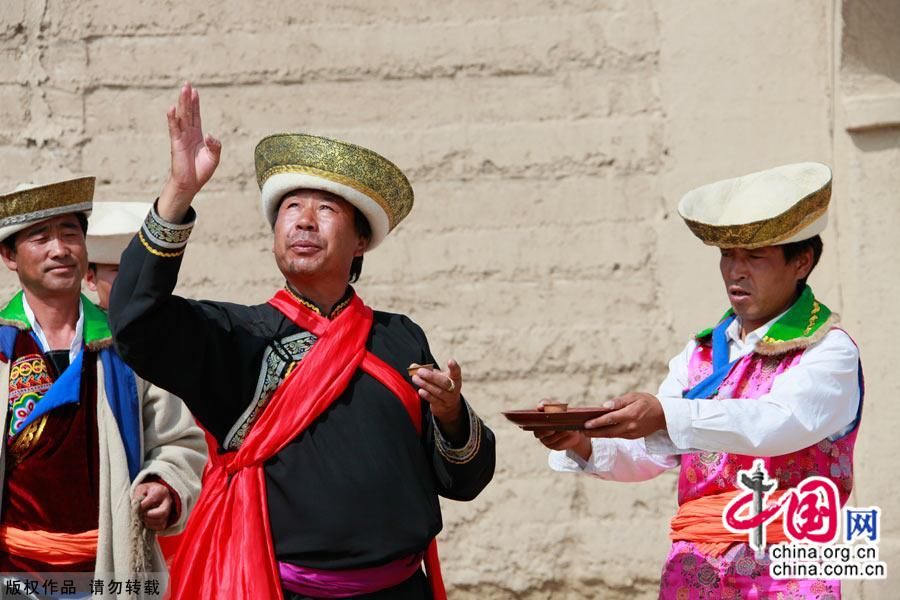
x=548, y=143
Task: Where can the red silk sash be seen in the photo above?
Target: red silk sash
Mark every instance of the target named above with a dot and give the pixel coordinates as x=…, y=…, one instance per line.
x=229, y=551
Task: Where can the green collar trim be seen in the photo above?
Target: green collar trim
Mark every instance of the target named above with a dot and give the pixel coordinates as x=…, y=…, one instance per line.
x=97, y=334
x=802, y=325
x=709, y=330
x=14, y=313
x=804, y=319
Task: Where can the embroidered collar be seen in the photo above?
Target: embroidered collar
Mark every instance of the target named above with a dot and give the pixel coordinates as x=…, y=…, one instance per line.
x=335, y=311
x=805, y=323
x=97, y=334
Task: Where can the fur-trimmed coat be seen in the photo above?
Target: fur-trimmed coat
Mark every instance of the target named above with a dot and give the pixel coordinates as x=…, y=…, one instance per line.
x=173, y=448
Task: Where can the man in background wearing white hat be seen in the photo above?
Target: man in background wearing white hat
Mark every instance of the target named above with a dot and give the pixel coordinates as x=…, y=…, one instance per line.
x=91, y=459
x=775, y=379
x=111, y=226
x=331, y=461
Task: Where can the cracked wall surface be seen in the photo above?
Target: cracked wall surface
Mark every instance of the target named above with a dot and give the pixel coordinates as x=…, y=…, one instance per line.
x=548, y=143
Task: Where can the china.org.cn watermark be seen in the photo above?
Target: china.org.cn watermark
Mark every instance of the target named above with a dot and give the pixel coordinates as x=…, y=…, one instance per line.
x=820, y=539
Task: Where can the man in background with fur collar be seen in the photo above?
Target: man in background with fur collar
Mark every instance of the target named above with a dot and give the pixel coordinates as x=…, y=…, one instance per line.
x=94, y=460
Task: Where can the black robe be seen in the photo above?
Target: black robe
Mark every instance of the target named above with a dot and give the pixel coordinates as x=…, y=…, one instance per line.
x=359, y=487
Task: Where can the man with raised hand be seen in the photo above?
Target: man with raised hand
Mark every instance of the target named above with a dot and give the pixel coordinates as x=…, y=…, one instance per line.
x=332, y=457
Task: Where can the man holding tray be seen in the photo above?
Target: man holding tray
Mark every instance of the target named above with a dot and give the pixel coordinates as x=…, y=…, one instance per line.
x=331, y=462
x=776, y=378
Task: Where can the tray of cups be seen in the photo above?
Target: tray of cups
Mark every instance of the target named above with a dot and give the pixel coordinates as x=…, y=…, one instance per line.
x=554, y=416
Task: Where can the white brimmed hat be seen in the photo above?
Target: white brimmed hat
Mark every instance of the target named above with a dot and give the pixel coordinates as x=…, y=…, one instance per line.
x=777, y=206
x=377, y=187
x=111, y=227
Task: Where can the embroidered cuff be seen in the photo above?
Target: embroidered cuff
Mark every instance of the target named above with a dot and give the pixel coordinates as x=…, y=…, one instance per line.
x=165, y=239
x=460, y=456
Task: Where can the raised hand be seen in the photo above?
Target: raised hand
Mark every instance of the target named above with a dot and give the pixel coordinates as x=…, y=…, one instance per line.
x=194, y=157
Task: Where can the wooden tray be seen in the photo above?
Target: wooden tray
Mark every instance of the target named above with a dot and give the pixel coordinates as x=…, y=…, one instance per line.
x=571, y=420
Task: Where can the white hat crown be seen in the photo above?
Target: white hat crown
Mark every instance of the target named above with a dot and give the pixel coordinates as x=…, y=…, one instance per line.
x=111, y=227
x=766, y=208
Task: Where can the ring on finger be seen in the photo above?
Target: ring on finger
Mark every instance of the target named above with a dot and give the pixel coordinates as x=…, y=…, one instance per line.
x=452, y=384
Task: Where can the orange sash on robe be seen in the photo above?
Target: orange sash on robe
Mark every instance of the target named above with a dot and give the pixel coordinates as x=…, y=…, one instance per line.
x=700, y=521
x=52, y=548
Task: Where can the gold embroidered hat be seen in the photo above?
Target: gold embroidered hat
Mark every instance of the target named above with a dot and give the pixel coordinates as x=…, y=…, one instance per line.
x=30, y=204
x=777, y=206
x=111, y=227
x=370, y=182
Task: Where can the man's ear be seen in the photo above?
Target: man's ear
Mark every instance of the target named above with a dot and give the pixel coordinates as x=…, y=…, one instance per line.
x=804, y=262
x=361, y=246
x=90, y=277
x=9, y=257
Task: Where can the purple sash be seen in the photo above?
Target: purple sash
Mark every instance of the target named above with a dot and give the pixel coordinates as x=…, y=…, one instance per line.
x=321, y=583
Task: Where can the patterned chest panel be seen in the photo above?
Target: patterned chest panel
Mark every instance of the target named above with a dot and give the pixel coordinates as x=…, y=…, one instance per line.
x=706, y=473
x=279, y=359
x=29, y=380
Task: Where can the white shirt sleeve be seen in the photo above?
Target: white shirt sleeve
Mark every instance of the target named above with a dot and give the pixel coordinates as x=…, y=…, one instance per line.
x=614, y=459
x=817, y=398
x=632, y=460
x=674, y=385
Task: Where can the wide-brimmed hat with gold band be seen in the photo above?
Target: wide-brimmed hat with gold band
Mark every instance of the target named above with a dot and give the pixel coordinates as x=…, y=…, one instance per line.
x=30, y=204
x=111, y=228
x=777, y=206
x=370, y=182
